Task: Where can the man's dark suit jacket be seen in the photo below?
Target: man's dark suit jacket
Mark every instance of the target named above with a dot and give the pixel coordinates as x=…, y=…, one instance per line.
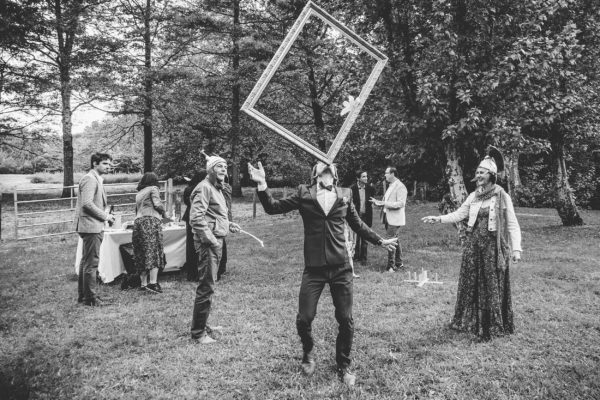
x=324, y=242
x=369, y=192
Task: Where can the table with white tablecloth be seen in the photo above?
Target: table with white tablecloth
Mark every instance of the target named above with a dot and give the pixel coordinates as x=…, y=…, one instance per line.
x=110, y=264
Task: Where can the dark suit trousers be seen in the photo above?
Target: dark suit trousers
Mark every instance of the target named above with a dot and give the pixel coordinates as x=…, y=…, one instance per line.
x=360, y=250
x=208, y=265
x=223, y=262
x=191, y=257
x=339, y=278
x=88, y=267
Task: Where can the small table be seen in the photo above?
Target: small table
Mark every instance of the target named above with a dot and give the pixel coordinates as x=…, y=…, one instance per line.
x=110, y=264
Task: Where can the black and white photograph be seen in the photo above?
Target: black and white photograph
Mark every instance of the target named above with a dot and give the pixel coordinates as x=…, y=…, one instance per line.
x=300, y=199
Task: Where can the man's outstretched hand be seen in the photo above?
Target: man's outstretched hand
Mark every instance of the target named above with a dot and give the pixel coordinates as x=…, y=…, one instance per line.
x=389, y=244
x=234, y=228
x=257, y=174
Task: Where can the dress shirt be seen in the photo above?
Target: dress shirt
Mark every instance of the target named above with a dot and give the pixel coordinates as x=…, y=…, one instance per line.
x=361, y=194
x=326, y=198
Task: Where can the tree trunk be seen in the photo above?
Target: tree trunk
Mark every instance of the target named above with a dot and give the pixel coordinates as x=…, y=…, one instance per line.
x=316, y=106
x=236, y=186
x=66, y=28
x=65, y=94
x=454, y=175
x=456, y=185
x=512, y=173
x=147, y=88
x=565, y=200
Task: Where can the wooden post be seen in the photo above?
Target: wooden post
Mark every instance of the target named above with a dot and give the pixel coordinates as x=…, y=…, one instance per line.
x=169, y=196
x=254, y=204
x=415, y=189
x=72, y=197
x=284, y=191
x=16, y=216
x=177, y=205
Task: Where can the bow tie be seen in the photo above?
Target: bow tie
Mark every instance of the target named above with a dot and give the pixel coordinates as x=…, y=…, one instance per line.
x=326, y=187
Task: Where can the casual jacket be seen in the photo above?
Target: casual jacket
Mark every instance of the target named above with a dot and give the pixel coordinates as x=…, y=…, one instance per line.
x=470, y=208
x=324, y=242
x=369, y=192
x=148, y=203
x=395, y=203
x=91, y=203
x=208, y=214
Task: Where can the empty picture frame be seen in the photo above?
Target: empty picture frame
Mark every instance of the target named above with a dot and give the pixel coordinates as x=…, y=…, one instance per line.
x=310, y=10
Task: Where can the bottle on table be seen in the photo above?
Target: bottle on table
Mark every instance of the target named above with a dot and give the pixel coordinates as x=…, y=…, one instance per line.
x=111, y=212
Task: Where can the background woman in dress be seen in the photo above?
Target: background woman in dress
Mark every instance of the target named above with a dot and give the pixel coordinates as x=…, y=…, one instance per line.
x=483, y=304
x=147, y=232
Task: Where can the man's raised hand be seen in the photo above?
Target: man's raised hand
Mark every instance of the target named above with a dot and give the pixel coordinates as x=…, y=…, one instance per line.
x=257, y=174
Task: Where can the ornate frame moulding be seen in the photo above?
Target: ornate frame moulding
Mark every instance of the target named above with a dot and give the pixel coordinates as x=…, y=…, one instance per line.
x=311, y=9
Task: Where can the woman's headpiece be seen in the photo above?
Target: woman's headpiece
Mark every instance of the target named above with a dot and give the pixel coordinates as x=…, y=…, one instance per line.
x=493, y=161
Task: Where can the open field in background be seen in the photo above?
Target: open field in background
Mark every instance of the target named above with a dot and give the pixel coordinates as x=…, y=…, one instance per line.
x=116, y=195
x=9, y=182
x=139, y=348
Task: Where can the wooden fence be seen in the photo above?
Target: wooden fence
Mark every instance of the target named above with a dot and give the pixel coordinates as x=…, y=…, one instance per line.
x=58, y=212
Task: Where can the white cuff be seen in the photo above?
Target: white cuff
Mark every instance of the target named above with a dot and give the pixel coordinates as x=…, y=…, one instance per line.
x=262, y=187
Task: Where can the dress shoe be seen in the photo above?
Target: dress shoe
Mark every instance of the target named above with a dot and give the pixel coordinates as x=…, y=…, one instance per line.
x=400, y=268
x=205, y=339
x=96, y=303
x=154, y=288
x=346, y=377
x=211, y=329
x=308, y=364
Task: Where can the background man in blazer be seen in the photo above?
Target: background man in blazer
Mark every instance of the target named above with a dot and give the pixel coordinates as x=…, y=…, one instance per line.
x=323, y=208
x=90, y=216
x=362, y=191
x=394, y=203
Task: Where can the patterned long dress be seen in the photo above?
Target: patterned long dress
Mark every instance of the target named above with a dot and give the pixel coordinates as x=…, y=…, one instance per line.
x=148, y=246
x=483, y=303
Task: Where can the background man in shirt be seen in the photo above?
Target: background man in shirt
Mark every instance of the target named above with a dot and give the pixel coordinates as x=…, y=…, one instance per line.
x=362, y=191
x=90, y=215
x=393, y=203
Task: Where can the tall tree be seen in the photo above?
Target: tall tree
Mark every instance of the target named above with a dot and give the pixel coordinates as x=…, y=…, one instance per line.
x=55, y=55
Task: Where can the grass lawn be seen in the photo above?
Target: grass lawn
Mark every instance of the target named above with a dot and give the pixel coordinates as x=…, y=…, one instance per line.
x=139, y=348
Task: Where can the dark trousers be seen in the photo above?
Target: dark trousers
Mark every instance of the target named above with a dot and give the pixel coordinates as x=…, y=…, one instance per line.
x=88, y=267
x=394, y=256
x=360, y=249
x=191, y=257
x=223, y=262
x=208, y=265
x=339, y=278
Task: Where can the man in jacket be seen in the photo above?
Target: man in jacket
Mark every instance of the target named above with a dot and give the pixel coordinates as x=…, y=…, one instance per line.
x=90, y=215
x=361, y=193
x=323, y=208
x=210, y=223
x=393, y=203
